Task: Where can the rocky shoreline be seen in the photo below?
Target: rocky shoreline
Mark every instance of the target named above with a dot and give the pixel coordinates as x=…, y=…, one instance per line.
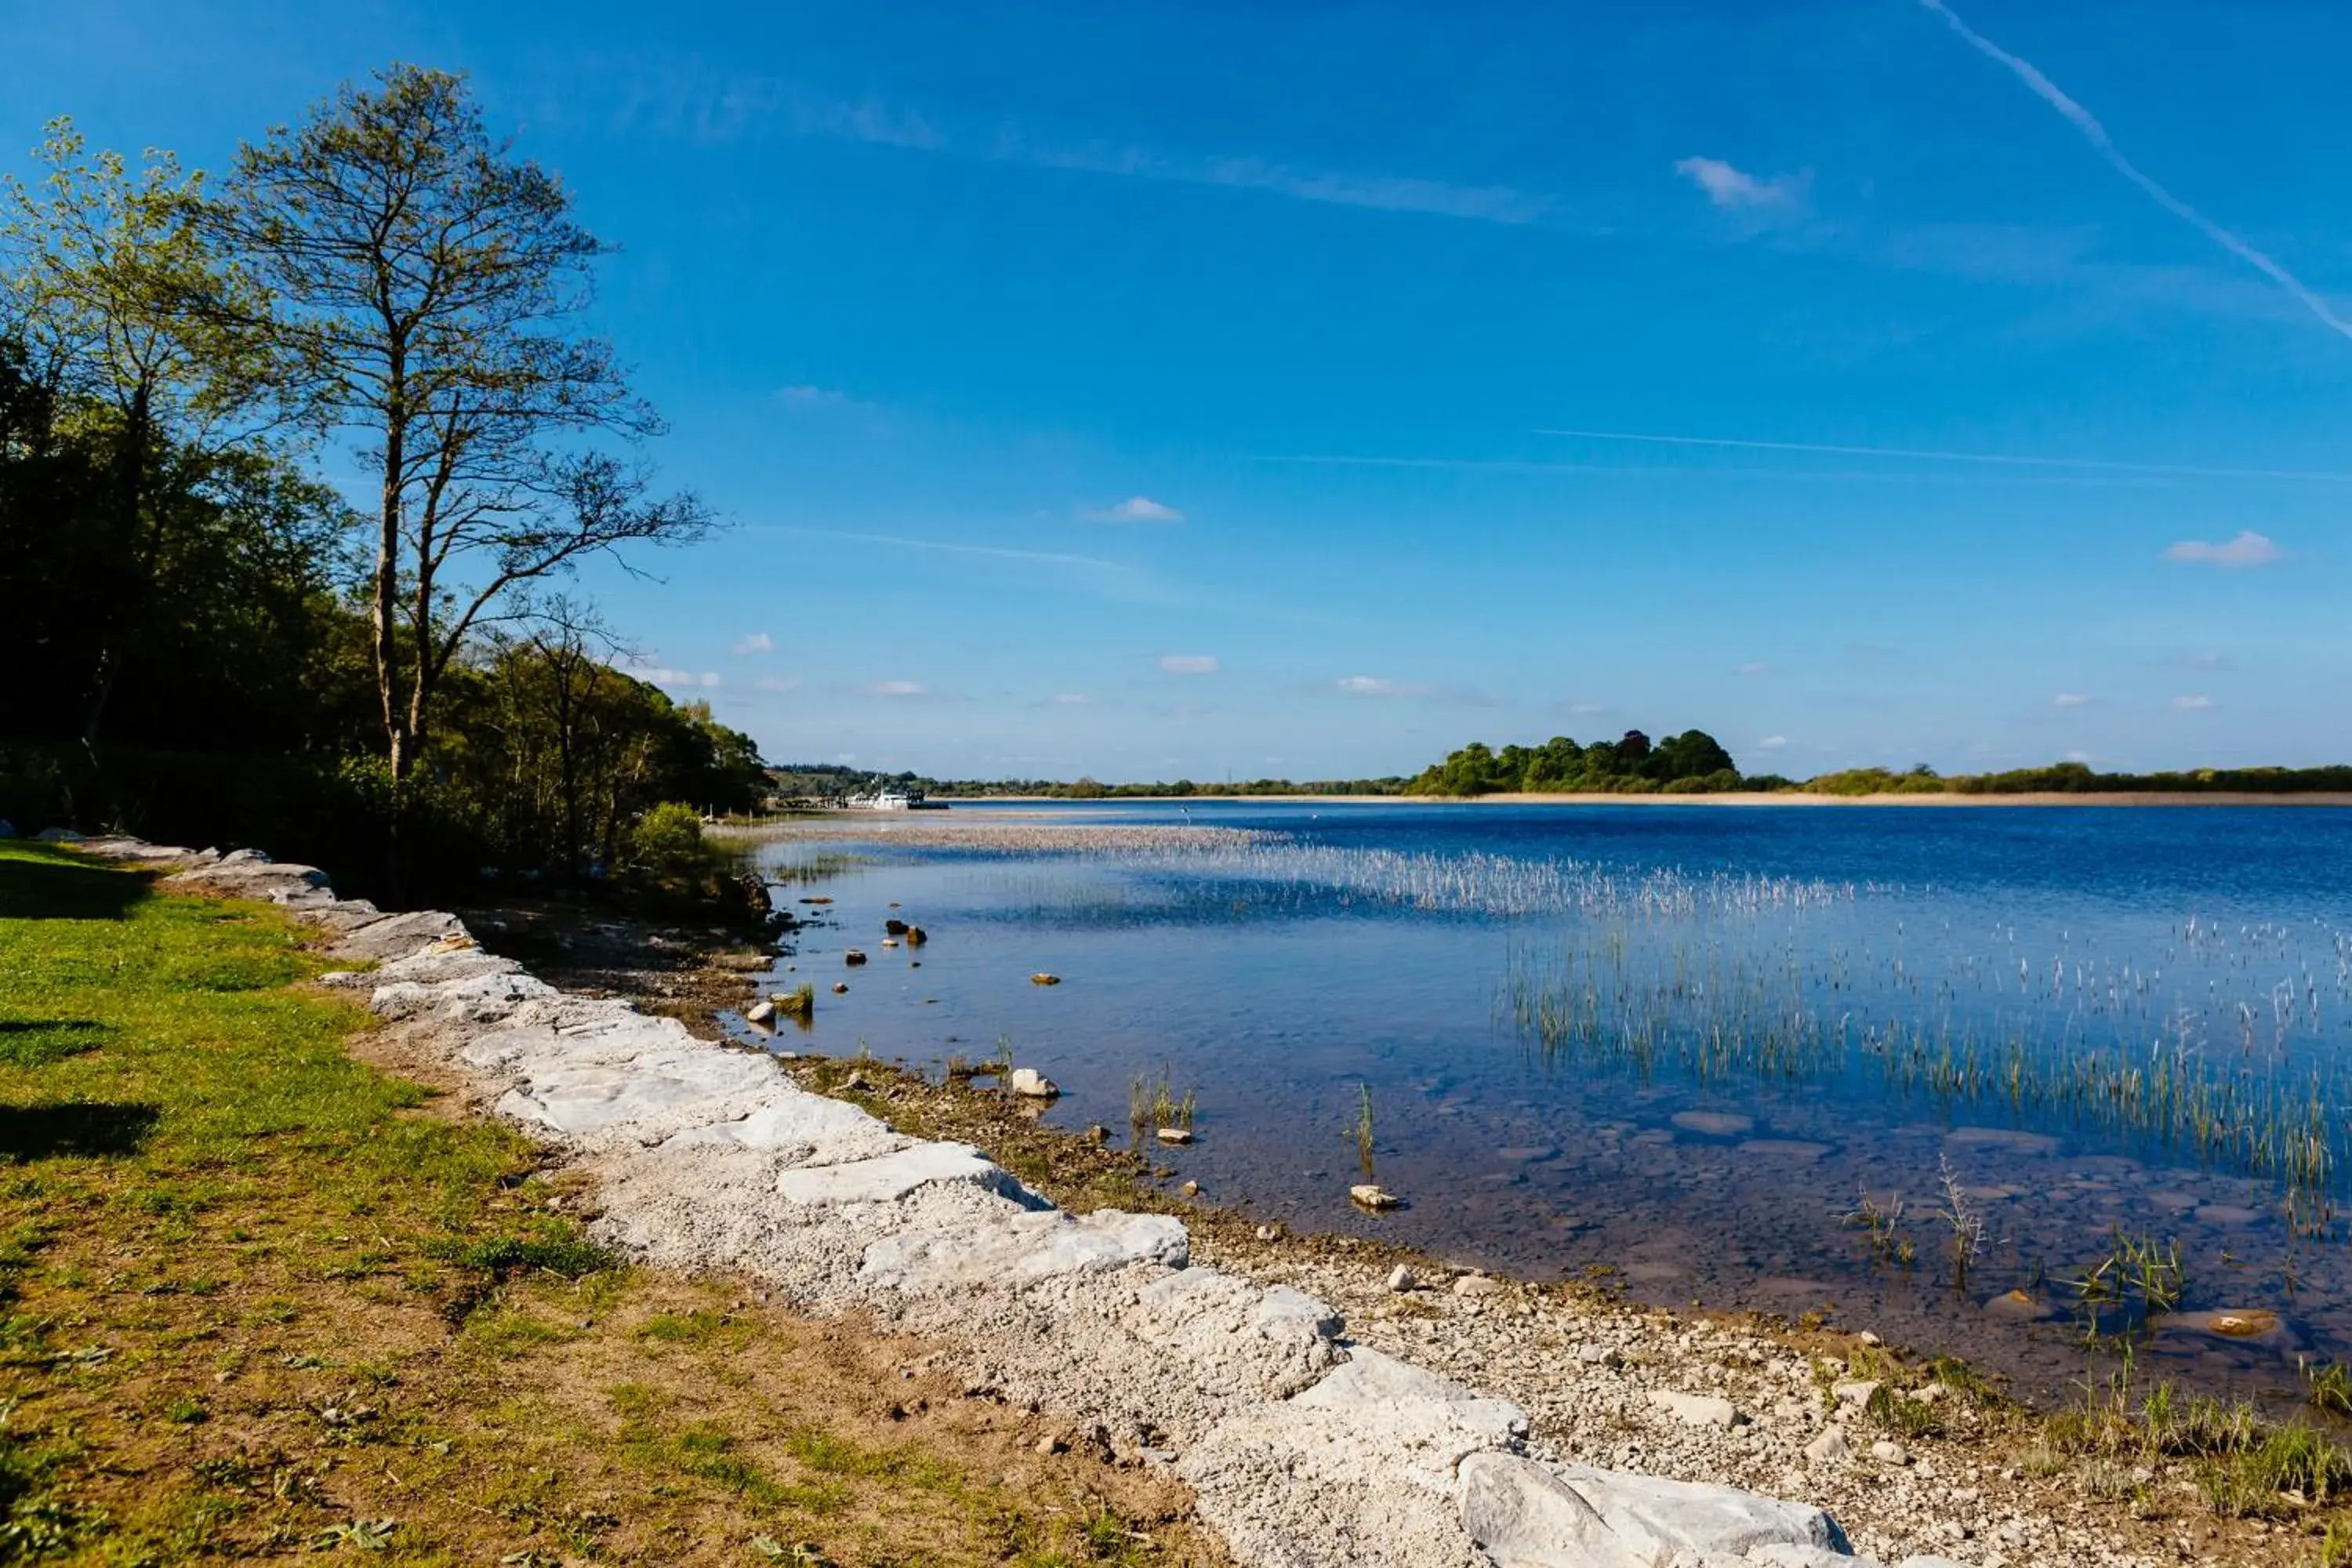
x=1320, y=1413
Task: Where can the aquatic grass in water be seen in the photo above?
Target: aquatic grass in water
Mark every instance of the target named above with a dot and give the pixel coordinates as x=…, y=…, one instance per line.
x=1152, y=1104
x=2061, y=1050
x=1272, y=876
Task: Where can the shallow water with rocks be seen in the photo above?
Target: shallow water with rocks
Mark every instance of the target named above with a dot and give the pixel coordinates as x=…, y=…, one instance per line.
x=1792, y=1060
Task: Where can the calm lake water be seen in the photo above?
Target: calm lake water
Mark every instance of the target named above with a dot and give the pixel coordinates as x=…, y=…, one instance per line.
x=1755, y=1057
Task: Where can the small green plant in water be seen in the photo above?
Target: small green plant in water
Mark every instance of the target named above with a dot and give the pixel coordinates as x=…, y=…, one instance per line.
x=2328, y=1387
x=1364, y=1129
x=1968, y=1226
x=2136, y=1279
x=1154, y=1103
x=1882, y=1231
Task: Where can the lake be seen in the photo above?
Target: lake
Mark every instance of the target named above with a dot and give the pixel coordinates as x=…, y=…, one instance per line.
x=2021, y=1084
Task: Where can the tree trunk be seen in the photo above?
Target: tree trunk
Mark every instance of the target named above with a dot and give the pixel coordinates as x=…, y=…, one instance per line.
x=129, y=605
x=387, y=588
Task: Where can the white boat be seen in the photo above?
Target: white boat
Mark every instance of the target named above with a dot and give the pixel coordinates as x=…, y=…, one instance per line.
x=887, y=799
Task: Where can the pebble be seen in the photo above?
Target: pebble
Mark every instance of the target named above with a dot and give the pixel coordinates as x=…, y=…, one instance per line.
x=1175, y=1136
x=1191, y=1189
x=1695, y=1409
x=1371, y=1196
x=1888, y=1451
x=1830, y=1448
x=758, y=1012
x=1403, y=1278
x=1042, y=978
x=1270, y=1233
x=1477, y=1285
x=1856, y=1391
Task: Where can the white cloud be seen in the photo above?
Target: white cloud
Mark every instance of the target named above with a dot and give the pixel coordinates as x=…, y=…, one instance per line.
x=1585, y=708
x=1774, y=742
x=1755, y=667
x=776, y=683
x=1137, y=508
x=662, y=675
x=2192, y=702
x=1071, y=699
x=758, y=642
x=2071, y=699
x=1733, y=190
x=1375, y=686
x=894, y=689
x=814, y=397
x=1189, y=663
x=2078, y=757
x=2249, y=548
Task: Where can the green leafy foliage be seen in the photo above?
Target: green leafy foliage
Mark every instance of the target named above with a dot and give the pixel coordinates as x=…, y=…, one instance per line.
x=1690, y=763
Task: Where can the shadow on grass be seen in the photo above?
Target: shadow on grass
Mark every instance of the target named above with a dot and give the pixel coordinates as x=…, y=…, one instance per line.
x=59, y=890
x=90, y=1129
x=37, y=1042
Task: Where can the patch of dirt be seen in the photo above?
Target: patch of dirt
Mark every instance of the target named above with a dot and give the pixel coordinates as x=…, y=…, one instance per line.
x=685, y=970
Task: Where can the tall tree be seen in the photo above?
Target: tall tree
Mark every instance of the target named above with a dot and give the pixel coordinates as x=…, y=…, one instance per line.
x=102, y=265
x=426, y=287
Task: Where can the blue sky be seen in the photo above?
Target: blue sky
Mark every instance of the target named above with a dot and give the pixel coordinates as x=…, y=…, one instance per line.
x=1153, y=390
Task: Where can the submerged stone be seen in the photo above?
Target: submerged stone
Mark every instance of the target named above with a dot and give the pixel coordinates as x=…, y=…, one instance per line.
x=1713, y=1124
x=2009, y=1138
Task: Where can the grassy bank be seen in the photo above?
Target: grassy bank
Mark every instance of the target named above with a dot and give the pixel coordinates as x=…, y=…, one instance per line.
x=260, y=1298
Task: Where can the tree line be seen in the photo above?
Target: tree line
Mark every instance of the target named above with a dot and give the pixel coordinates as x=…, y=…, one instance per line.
x=1692, y=762
x=199, y=628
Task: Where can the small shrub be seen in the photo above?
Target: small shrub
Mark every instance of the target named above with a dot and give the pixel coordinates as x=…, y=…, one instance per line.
x=667, y=841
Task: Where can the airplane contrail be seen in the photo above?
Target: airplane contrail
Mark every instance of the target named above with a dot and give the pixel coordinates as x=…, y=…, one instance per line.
x=2096, y=135
x=2005, y=459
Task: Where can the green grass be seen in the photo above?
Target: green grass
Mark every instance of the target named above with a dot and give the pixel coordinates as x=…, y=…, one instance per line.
x=259, y=1299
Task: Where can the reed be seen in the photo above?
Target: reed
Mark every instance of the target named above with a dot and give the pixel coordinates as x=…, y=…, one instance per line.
x=1154, y=1103
x=1364, y=1129
x=1883, y=1234
x=1966, y=1222
x=2129, y=1284
x=1714, y=1014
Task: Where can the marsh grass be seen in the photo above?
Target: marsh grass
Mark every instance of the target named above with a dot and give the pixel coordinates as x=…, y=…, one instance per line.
x=2246, y=1468
x=2135, y=1278
x=1154, y=1103
x=1363, y=1129
x=1714, y=1015
x=1884, y=1238
x=2327, y=1386
x=1964, y=1221
x=258, y=1298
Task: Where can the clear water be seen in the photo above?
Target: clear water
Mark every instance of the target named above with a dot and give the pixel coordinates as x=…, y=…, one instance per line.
x=1686, y=1045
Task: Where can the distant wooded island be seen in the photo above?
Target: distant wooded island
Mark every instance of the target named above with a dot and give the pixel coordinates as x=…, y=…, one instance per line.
x=1692, y=762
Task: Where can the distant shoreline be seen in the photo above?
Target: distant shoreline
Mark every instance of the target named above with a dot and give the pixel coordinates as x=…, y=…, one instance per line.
x=1731, y=798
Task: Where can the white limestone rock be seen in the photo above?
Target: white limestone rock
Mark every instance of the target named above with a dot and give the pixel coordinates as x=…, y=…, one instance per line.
x=397, y=936
x=1031, y=1084
x=890, y=1177
x=1695, y=1409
